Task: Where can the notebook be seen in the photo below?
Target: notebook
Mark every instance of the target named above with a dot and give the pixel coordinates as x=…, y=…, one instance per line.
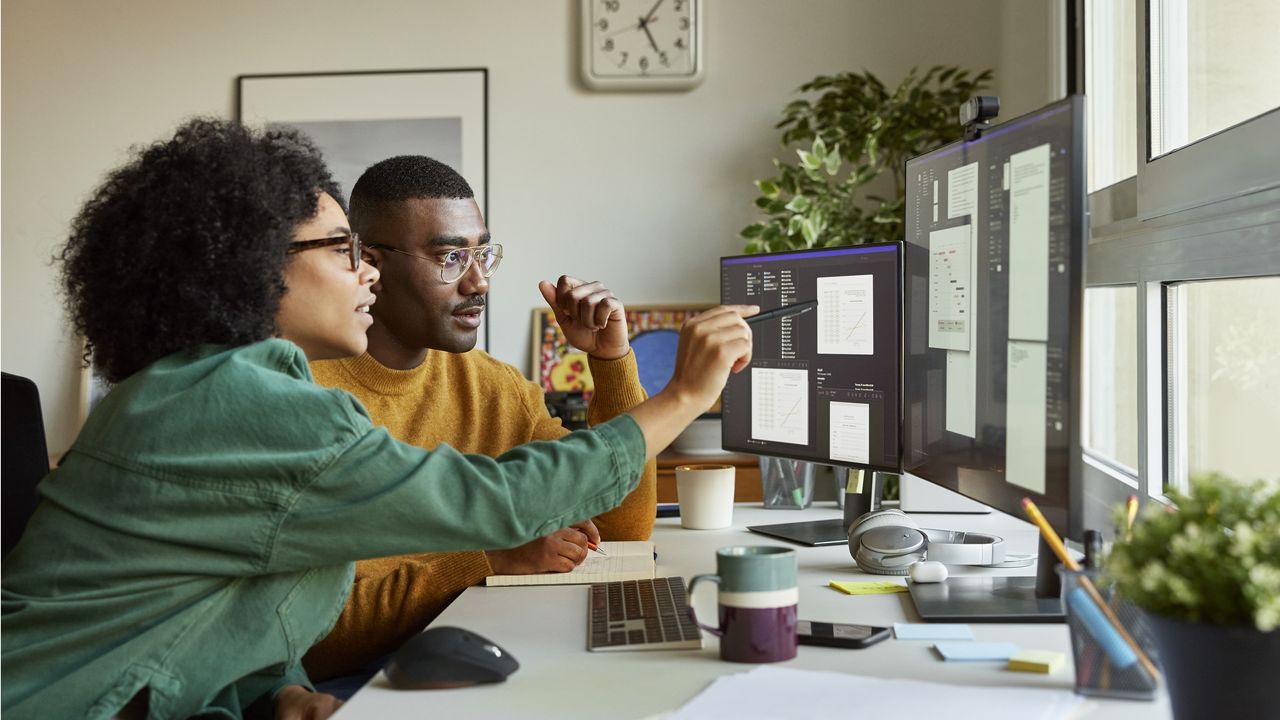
x=624, y=561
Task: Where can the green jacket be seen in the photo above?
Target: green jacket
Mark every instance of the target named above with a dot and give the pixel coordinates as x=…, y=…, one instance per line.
x=200, y=535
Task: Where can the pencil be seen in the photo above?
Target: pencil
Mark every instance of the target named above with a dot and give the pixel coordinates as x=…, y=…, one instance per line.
x=1055, y=543
x=1131, y=513
x=784, y=311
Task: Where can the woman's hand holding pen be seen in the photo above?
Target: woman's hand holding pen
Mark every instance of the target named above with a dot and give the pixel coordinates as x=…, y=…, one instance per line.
x=712, y=345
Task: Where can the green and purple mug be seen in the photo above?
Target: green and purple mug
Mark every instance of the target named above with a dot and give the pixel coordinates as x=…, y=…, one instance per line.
x=757, y=601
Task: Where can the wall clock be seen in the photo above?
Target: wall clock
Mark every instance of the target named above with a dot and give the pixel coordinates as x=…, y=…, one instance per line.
x=641, y=44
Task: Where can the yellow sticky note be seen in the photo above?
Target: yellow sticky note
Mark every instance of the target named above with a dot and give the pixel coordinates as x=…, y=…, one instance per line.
x=1040, y=661
x=878, y=587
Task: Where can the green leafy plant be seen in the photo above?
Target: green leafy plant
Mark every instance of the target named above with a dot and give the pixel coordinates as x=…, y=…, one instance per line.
x=854, y=131
x=1216, y=559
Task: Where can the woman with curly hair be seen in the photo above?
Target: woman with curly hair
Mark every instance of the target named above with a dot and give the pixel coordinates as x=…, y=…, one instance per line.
x=200, y=534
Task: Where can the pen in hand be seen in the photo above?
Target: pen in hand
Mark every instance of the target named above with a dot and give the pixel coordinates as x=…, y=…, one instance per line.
x=594, y=546
x=781, y=312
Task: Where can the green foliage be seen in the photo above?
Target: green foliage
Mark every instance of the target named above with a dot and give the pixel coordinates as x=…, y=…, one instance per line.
x=1215, y=560
x=854, y=131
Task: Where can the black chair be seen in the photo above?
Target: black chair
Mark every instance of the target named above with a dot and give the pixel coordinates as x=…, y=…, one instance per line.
x=24, y=457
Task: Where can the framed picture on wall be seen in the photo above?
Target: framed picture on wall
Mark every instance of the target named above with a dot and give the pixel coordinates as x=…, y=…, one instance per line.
x=359, y=118
x=654, y=331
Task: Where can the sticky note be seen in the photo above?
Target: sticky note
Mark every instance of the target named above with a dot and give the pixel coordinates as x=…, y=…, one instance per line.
x=1040, y=661
x=932, y=631
x=968, y=651
x=878, y=587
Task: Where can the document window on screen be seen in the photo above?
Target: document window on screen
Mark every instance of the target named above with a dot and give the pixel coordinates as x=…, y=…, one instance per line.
x=823, y=385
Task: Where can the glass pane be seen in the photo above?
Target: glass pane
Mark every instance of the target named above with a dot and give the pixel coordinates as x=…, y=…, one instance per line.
x=1111, y=374
x=1111, y=83
x=1214, y=64
x=1225, y=377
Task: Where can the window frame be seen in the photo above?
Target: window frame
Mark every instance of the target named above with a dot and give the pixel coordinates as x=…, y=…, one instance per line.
x=1206, y=211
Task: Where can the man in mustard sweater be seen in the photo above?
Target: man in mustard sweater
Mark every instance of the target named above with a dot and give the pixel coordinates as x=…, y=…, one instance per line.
x=423, y=380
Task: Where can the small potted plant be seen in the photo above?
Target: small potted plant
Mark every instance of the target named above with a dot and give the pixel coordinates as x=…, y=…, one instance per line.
x=1206, y=572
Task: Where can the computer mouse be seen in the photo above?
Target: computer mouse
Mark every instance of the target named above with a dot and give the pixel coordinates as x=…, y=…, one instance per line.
x=448, y=657
x=927, y=571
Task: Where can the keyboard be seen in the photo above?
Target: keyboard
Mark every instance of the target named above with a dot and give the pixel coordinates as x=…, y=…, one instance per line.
x=641, y=615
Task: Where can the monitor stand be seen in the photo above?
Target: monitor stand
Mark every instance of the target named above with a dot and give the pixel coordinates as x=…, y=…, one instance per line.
x=1018, y=599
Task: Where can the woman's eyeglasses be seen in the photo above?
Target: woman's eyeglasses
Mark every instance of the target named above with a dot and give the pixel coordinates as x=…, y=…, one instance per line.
x=352, y=241
x=455, y=263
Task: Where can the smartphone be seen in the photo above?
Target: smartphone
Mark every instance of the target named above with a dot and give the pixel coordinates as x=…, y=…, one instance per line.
x=839, y=634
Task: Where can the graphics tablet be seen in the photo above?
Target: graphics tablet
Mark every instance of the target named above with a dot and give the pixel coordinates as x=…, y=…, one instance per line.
x=812, y=533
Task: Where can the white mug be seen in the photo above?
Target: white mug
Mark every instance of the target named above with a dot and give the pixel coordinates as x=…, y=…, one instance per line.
x=705, y=493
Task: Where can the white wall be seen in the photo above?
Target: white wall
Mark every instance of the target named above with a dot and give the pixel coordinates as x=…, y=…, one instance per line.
x=642, y=191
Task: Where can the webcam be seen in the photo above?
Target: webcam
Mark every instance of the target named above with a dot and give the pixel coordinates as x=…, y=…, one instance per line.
x=976, y=114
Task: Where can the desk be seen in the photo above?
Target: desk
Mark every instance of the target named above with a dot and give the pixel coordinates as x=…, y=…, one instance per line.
x=545, y=628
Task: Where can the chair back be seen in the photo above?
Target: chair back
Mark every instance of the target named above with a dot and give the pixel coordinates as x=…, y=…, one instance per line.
x=24, y=457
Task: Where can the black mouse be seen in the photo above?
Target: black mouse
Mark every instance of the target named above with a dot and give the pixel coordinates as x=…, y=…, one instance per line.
x=448, y=657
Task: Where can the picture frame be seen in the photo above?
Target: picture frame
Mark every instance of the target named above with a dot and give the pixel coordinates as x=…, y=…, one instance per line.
x=654, y=331
x=358, y=118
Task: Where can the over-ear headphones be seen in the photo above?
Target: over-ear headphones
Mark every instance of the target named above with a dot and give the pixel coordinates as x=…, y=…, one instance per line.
x=886, y=542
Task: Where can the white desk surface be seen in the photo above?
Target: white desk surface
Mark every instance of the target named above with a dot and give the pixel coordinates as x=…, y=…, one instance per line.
x=545, y=628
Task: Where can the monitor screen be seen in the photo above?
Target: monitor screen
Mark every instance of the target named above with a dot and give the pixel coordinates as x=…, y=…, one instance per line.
x=823, y=385
x=995, y=237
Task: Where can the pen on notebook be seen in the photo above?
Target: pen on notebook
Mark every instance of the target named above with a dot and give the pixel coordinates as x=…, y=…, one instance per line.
x=1055, y=543
x=593, y=546
x=784, y=311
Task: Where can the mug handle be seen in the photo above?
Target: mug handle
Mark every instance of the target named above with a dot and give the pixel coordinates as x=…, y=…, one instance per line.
x=692, y=615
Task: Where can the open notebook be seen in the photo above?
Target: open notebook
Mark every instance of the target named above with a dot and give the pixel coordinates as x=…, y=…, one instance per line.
x=624, y=561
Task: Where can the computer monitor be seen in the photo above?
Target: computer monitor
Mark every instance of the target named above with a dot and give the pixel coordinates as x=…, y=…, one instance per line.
x=995, y=242
x=823, y=385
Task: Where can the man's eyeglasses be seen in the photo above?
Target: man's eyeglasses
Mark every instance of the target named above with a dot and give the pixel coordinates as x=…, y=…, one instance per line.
x=352, y=241
x=455, y=263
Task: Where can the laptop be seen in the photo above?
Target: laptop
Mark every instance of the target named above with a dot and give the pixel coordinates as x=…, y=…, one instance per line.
x=813, y=533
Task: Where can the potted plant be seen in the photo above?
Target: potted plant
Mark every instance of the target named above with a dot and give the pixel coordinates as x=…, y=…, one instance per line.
x=849, y=136
x=1207, y=576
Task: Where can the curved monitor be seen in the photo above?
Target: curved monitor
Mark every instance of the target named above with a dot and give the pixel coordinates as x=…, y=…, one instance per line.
x=995, y=242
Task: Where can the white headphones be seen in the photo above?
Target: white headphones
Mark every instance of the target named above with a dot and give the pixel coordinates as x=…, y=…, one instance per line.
x=886, y=542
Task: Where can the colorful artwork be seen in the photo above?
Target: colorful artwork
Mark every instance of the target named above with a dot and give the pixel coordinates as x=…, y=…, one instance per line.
x=557, y=365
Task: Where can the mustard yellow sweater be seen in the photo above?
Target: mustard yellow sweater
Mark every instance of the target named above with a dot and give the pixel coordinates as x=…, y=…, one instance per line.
x=476, y=404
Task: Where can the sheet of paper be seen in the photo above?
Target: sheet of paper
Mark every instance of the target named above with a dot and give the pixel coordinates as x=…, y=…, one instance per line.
x=962, y=391
x=780, y=405
x=849, y=436
x=975, y=651
x=932, y=631
x=846, y=311
x=1029, y=244
x=950, y=258
x=877, y=587
x=1024, y=445
x=777, y=692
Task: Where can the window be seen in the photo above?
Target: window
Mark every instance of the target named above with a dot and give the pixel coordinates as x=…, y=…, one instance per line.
x=1111, y=85
x=1111, y=376
x=1224, y=378
x=1213, y=65
x=1182, y=341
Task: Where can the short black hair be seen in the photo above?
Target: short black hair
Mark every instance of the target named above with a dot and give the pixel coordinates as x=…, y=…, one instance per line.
x=185, y=245
x=405, y=177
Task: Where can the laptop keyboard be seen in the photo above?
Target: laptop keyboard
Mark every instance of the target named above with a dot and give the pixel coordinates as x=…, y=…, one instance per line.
x=641, y=615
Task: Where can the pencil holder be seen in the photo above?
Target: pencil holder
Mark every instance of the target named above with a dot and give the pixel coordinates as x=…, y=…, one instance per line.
x=787, y=484
x=1107, y=664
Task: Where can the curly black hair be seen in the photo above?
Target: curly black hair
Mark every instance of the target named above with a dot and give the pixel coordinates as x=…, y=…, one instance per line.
x=404, y=177
x=185, y=244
